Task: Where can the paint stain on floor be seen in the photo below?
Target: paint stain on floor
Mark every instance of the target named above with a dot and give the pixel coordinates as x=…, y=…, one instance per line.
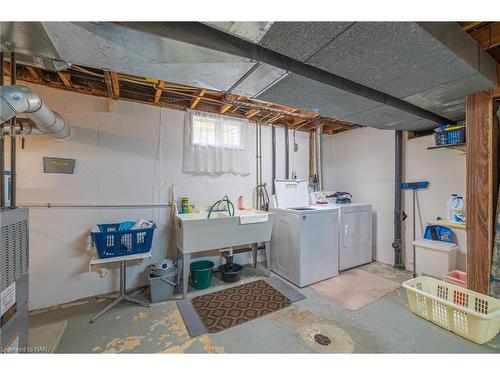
x=294, y=315
x=209, y=345
x=127, y=344
x=136, y=319
x=178, y=349
x=173, y=323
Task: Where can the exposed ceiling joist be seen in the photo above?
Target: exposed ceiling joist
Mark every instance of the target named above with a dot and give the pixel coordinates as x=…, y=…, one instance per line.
x=469, y=25
x=158, y=91
x=224, y=108
x=109, y=85
x=65, y=78
x=196, y=100
x=98, y=82
x=33, y=73
x=273, y=119
x=252, y=113
x=488, y=36
x=115, y=84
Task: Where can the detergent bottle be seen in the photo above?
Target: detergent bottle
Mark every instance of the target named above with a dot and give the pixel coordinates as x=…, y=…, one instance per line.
x=449, y=207
x=458, y=211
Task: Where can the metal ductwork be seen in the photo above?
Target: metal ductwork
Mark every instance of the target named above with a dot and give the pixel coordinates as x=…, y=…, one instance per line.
x=17, y=99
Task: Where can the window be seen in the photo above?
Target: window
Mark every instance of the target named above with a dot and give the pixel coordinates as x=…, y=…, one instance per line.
x=216, y=131
x=214, y=144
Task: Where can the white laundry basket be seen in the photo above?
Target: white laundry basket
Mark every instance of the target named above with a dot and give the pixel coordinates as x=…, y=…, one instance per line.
x=462, y=311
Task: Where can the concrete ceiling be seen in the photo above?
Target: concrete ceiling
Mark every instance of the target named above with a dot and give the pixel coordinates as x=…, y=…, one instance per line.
x=431, y=65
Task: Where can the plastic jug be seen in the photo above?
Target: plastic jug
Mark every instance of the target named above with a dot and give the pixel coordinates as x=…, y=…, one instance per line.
x=458, y=210
x=449, y=206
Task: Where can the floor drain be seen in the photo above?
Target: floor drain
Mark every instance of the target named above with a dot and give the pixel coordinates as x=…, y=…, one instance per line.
x=322, y=339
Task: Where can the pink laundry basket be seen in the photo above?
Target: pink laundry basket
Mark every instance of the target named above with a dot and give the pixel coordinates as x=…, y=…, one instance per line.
x=456, y=278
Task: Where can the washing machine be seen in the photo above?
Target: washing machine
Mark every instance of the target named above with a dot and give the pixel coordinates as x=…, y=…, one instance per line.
x=304, y=244
x=355, y=230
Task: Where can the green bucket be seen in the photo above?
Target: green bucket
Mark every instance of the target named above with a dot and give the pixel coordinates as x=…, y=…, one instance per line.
x=201, y=273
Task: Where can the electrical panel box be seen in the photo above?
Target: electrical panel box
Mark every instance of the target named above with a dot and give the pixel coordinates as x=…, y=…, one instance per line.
x=58, y=165
x=14, y=272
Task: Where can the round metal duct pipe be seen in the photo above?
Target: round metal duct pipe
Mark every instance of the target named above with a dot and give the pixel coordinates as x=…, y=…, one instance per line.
x=17, y=99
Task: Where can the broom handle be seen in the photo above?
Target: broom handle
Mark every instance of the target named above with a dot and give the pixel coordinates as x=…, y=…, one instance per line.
x=414, y=233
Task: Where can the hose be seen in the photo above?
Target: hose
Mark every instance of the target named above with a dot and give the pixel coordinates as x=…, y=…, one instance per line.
x=229, y=206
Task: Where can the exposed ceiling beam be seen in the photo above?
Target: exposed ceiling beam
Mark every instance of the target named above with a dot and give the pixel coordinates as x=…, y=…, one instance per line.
x=224, y=108
x=115, y=83
x=488, y=36
x=109, y=84
x=65, y=78
x=297, y=122
x=196, y=100
x=470, y=25
x=212, y=100
x=33, y=73
x=159, y=90
x=274, y=119
x=252, y=113
x=202, y=35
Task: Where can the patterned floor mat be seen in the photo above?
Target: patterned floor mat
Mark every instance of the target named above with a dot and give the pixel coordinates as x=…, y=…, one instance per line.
x=233, y=306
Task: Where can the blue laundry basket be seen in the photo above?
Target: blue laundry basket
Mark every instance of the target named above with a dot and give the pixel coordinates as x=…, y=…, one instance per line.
x=444, y=137
x=111, y=242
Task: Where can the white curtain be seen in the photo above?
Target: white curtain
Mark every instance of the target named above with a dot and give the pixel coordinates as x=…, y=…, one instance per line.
x=215, y=144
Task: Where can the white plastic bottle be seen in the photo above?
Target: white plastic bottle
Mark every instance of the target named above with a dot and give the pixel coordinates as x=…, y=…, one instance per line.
x=449, y=207
x=458, y=210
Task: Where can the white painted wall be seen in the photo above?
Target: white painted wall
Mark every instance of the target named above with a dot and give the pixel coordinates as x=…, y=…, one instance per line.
x=361, y=161
x=445, y=171
x=129, y=156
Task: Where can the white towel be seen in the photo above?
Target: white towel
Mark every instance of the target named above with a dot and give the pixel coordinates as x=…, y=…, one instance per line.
x=252, y=219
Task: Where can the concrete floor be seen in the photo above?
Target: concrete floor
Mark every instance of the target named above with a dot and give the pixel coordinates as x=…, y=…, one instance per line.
x=385, y=326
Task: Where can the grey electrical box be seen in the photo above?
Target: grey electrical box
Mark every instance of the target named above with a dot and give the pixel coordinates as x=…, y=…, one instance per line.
x=14, y=263
x=58, y=165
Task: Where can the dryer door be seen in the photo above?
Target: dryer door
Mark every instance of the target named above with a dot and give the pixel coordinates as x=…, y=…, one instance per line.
x=355, y=238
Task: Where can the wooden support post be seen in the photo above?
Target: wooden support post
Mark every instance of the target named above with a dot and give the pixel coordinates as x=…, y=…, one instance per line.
x=481, y=151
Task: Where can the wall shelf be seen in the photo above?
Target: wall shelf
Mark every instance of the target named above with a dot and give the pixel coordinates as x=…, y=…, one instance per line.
x=457, y=146
x=448, y=224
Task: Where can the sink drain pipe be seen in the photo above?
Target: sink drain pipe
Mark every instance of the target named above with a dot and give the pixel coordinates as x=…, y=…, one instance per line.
x=398, y=194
